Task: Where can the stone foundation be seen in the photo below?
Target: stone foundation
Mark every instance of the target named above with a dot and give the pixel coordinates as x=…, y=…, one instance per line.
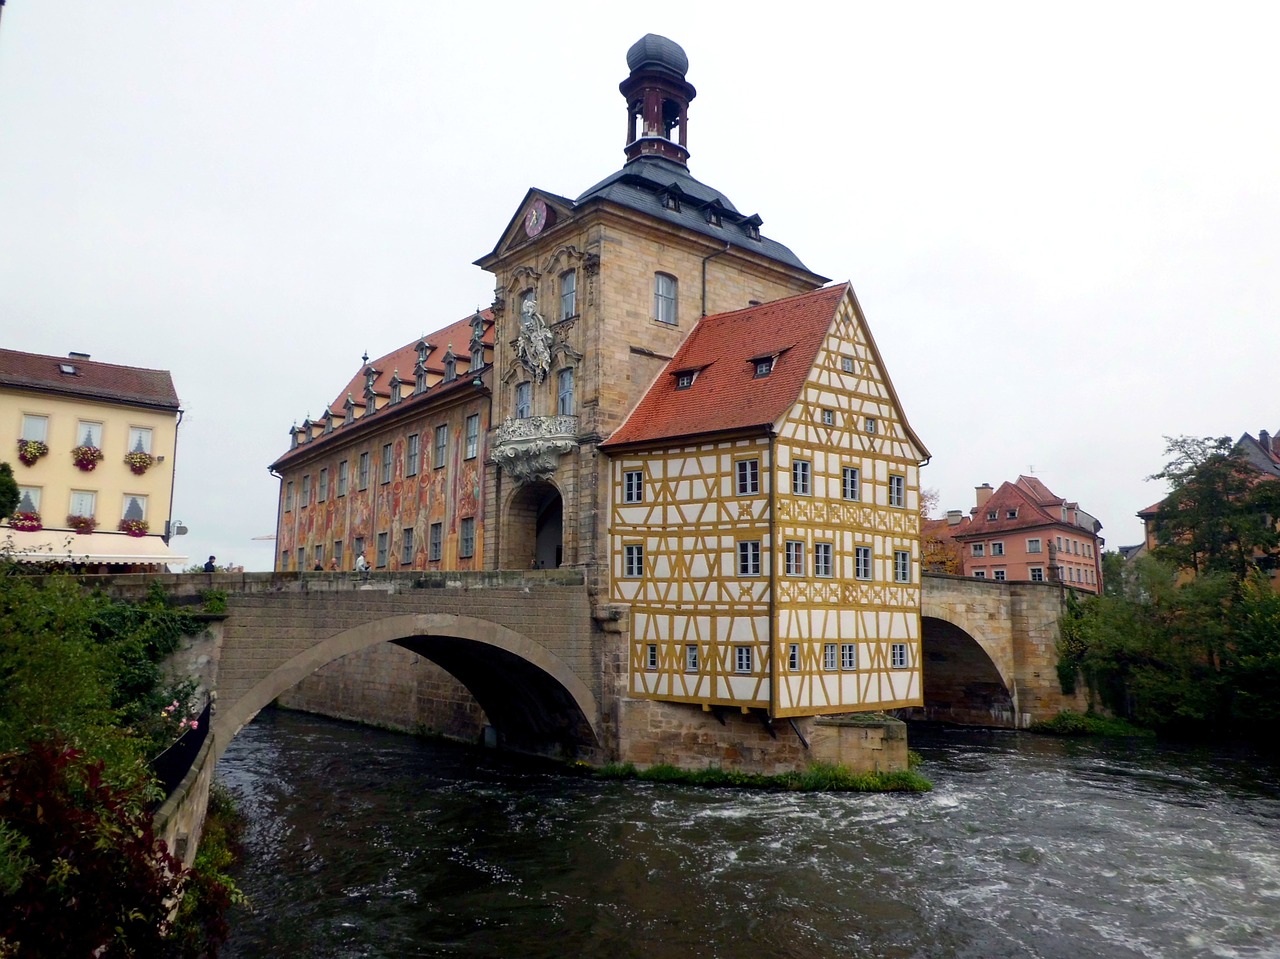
x=655, y=733
x=391, y=687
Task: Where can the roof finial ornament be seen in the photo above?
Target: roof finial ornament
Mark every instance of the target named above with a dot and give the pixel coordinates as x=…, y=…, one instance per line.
x=365, y=358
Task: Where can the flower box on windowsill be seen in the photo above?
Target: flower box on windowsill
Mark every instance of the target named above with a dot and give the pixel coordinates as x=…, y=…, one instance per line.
x=82, y=524
x=86, y=458
x=27, y=522
x=134, y=527
x=138, y=461
x=31, y=450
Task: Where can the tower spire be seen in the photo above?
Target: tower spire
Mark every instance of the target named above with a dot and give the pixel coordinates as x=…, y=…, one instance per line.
x=658, y=97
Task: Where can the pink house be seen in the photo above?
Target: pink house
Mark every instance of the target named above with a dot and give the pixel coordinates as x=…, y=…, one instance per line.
x=1023, y=531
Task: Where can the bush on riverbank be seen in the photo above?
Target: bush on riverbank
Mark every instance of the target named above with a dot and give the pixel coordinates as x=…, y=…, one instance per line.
x=1068, y=723
x=201, y=923
x=819, y=777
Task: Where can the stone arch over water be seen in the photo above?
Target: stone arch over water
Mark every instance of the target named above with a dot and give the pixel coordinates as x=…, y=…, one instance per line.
x=530, y=695
x=968, y=673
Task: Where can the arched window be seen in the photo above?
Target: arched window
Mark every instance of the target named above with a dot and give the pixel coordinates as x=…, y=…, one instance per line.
x=664, y=298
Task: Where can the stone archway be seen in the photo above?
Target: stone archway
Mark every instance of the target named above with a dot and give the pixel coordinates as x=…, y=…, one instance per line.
x=533, y=528
x=532, y=697
x=962, y=683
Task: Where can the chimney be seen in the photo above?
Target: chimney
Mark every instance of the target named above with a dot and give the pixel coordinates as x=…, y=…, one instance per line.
x=983, y=494
x=954, y=516
x=73, y=355
x=1264, y=440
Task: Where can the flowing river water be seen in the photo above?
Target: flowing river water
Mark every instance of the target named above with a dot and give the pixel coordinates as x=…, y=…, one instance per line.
x=369, y=843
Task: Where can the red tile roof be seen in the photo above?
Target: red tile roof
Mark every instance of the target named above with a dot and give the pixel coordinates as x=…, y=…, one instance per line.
x=91, y=379
x=1035, y=504
x=726, y=394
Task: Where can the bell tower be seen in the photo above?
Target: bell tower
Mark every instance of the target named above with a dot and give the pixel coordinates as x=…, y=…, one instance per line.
x=658, y=97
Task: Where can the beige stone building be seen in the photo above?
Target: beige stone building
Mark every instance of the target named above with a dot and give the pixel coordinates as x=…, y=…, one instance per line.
x=93, y=447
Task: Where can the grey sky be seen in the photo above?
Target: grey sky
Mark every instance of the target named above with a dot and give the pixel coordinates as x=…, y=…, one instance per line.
x=1063, y=224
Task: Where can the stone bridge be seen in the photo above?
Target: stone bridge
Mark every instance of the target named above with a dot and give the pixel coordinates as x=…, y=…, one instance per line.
x=990, y=652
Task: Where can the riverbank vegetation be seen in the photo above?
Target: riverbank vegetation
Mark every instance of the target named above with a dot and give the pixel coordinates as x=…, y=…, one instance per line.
x=83, y=707
x=1068, y=723
x=1187, y=640
x=819, y=777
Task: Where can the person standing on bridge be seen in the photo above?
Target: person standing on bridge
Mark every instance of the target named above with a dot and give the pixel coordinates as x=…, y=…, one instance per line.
x=211, y=566
x=362, y=566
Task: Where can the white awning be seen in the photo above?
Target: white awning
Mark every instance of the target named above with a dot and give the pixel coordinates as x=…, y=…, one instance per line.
x=65, y=546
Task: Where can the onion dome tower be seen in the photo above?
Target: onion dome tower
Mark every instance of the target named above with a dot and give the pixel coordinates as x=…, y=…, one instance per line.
x=658, y=97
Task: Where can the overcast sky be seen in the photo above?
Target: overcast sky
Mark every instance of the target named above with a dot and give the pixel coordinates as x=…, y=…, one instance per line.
x=1063, y=224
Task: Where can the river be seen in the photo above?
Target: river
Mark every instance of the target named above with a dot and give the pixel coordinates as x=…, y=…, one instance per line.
x=365, y=843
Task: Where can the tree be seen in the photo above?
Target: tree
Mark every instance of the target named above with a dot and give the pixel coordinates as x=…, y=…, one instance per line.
x=8, y=491
x=938, y=554
x=1220, y=515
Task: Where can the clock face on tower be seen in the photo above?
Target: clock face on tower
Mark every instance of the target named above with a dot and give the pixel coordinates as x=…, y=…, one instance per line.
x=536, y=218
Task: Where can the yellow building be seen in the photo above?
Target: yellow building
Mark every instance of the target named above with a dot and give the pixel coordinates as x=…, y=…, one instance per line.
x=93, y=450
x=765, y=518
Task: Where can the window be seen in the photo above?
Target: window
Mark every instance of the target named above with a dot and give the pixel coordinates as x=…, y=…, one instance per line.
x=435, y=548
x=821, y=559
x=305, y=500
x=362, y=471
x=284, y=559
x=467, y=537
x=288, y=496
x=450, y=370
x=848, y=656
x=564, y=391
x=795, y=558
x=342, y=478
x=901, y=566
x=897, y=491
x=524, y=400
x=691, y=658
x=1011, y=514
x=1033, y=546
x=568, y=294
x=801, y=483
x=829, y=660
x=1059, y=539
x=28, y=499
x=323, y=493
x=1075, y=546
x=477, y=358
x=748, y=477
x=764, y=367
x=387, y=470
x=89, y=434
x=317, y=555
x=862, y=562
x=998, y=575
x=442, y=444
x=134, y=507
x=850, y=486
x=742, y=659
x=406, y=547
x=997, y=549
x=664, y=298
x=633, y=486
x=473, y=436
x=828, y=418
x=979, y=574
x=139, y=439
x=357, y=546
x=871, y=425
x=651, y=656
x=898, y=655
x=383, y=539
x=684, y=381
x=793, y=657
x=846, y=363
x=337, y=553
x=633, y=560
x=411, y=455
x=978, y=549
x=1037, y=574
x=35, y=427
x=749, y=558
x=991, y=515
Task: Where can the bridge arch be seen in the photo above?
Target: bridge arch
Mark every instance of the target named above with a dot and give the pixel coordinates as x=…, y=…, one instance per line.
x=969, y=674
x=526, y=690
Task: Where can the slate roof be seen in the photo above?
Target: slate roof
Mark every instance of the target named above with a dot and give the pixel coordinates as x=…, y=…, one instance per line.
x=726, y=394
x=129, y=385
x=641, y=183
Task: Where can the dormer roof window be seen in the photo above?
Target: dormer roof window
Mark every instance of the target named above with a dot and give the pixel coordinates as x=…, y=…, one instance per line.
x=764, y=364
x=671, y=197
x=450, y=366
x=395, y=385
x=991, y=515
x=293, y=436
x=419, y=377
x=349, y=408
x=685, y=378
x=68, y=368
x=328, y=421
x=1011, y=514
x=751, y=226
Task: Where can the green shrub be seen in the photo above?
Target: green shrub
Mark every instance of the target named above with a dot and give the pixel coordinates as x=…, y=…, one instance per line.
x=818, y=777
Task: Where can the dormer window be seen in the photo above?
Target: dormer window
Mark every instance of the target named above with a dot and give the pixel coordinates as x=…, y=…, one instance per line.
x=450, y=368
x=1011, y=514
x=328, y=421
x=477, y=359
x=714, y=213
x=395, y=388
x=419, y=377
x=991, y=515
x=751, y=226
x=293, y=437
x=670, y=198
x=685, y=379
x=764, y=366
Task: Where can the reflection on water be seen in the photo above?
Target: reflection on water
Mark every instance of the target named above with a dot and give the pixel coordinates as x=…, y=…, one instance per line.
x=368, y=843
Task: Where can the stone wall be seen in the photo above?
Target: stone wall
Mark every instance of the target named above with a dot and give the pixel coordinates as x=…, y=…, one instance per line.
x=180, y=819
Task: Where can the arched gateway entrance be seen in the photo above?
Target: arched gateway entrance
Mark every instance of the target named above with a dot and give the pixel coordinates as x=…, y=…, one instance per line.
x=533, y=531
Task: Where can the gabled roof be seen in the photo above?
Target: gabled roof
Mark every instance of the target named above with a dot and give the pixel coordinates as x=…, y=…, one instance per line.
x=1257, y=456
x=88, y=379
x=726, y=395
x=1035, y=504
